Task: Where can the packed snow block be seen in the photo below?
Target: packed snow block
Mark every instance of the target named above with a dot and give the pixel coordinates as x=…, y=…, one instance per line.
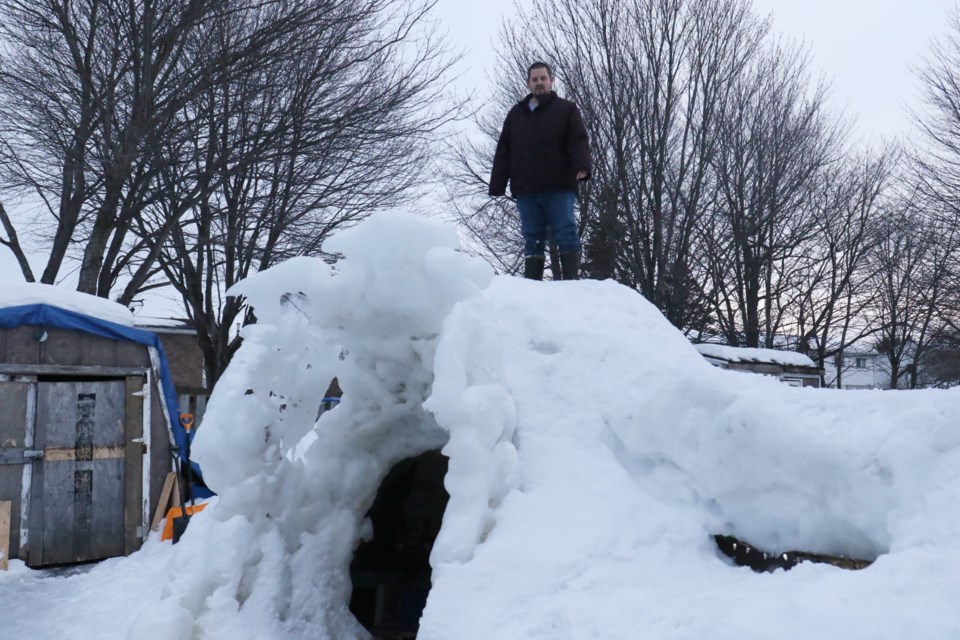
x=592, y=453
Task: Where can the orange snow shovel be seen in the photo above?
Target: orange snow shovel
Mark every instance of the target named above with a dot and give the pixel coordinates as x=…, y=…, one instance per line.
x=175, y=513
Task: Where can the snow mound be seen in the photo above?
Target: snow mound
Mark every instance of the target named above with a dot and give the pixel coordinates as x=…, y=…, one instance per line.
x=31, y=293
x=593, y=454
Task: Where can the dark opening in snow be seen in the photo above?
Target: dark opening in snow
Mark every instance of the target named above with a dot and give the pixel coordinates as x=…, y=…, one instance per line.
x=391, y=572
x=744, y=554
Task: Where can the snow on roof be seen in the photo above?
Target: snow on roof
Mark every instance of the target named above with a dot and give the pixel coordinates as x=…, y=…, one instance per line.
x=759, y=356
x=158, y=321
x=163, y=325
x=31, y=293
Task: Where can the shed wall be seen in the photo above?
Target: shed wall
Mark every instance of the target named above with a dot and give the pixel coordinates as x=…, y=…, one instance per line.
x=186, y=361
x=68, y=348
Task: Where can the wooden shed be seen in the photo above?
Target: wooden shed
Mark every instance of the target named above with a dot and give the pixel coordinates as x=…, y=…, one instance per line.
x=87, y=425
x=790, y=367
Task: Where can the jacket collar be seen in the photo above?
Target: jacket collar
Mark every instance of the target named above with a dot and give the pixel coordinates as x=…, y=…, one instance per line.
x=543, y=102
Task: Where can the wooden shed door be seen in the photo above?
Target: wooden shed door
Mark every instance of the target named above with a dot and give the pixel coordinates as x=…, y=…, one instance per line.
x=77, y=503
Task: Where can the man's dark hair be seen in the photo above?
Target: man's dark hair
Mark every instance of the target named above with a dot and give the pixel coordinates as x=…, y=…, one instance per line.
x=539, y=65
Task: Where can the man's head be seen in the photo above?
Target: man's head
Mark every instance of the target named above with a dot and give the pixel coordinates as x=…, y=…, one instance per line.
x=539, y=79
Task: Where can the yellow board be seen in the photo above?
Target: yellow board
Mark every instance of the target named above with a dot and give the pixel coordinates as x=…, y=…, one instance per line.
x=177, y=512
x=169, y=486
x=4, y=534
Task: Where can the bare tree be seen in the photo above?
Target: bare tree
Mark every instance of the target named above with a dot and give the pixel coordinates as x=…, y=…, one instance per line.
x=912, y=267
x=936, y=161
x=192, y=142
x=492, y=224
x=834, y=286
x=658, y=122
x=776, y=140
x=274, y=161
x=650, y=77
x=89, y=95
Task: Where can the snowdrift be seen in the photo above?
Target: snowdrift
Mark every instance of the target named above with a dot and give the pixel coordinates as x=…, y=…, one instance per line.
x=593, y=454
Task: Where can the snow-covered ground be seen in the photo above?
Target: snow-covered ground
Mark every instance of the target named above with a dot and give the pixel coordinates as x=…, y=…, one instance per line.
x=592, y=454
x=89, y=602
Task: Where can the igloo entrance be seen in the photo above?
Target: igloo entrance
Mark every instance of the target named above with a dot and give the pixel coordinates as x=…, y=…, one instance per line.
x=391, y=572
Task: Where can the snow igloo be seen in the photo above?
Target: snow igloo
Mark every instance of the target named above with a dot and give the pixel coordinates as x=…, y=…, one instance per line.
x=515, y=459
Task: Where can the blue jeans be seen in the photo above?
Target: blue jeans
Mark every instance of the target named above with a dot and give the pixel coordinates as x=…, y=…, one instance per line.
x=551, y=210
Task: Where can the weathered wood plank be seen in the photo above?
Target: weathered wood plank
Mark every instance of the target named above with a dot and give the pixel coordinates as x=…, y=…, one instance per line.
x=63, y=347
x=5, y=524
x=177, y=492
x=68, y=347
x=80, y=499
x=95, y=453
x=161, y=461
x=11, y=477
x=165, y=496
x=68, y=370
x=133, y=507
x=14, y=398
x=108, y=514
x=13, y=413
x=19, y=345
x=35, y=518
x=10, y=456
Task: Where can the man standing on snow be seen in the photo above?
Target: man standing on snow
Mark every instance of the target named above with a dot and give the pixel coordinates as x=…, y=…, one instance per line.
x=543, y=151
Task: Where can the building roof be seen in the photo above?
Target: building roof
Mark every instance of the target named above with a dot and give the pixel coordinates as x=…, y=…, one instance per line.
x=165, y=325
x=730, y=354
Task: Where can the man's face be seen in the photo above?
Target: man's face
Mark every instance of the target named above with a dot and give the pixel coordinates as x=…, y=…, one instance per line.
x=539, y=83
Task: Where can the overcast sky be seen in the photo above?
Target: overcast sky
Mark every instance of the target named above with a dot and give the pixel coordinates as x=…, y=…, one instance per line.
x=865, y=47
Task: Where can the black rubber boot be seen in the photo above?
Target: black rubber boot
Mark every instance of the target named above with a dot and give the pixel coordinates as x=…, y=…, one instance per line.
x=533, y=267
x=570, y=265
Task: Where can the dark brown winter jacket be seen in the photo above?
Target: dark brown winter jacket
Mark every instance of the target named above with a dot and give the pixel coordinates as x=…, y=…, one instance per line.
x=542, y=149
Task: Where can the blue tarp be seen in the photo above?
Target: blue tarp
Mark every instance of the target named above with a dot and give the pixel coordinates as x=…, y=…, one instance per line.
x=43, y=315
